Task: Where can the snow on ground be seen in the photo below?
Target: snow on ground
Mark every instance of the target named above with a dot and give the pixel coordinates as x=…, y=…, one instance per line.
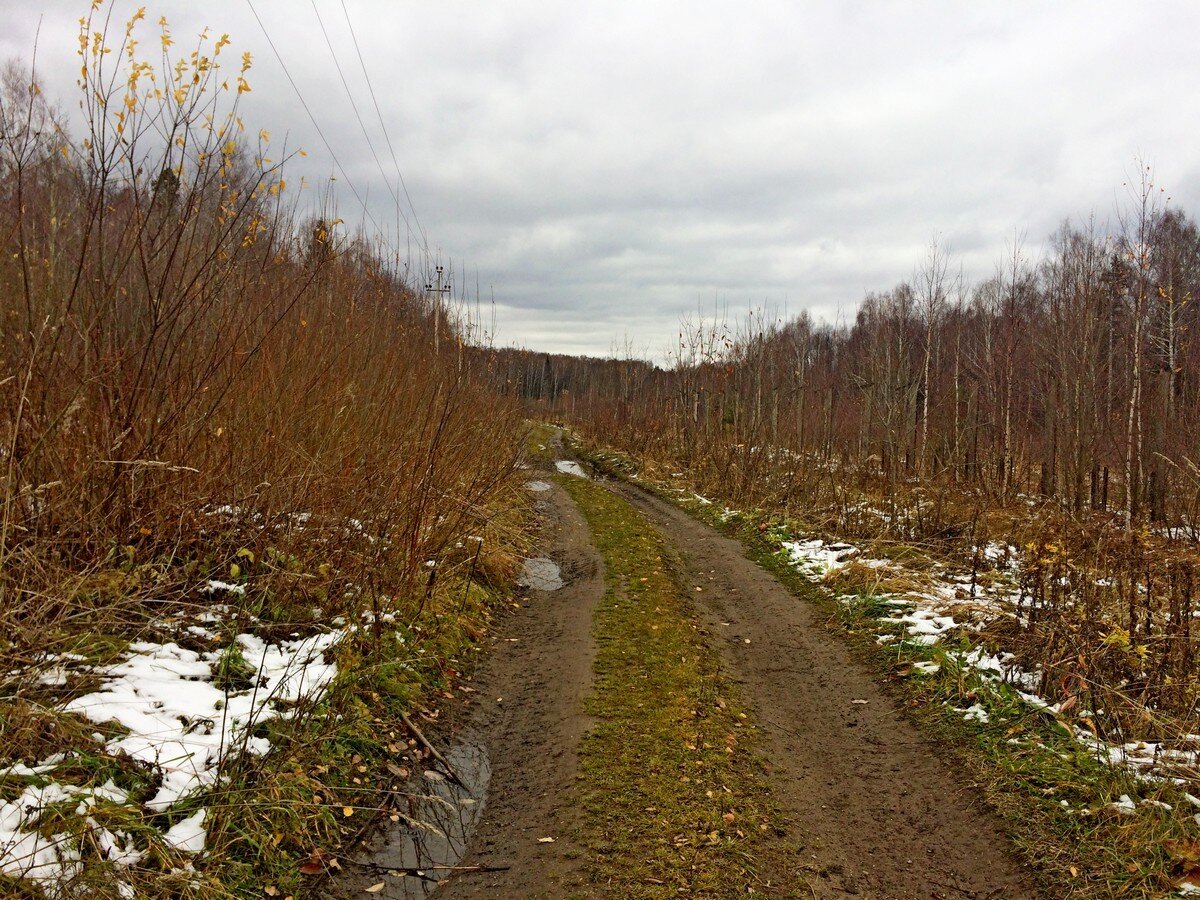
x=816, y=559
x=537, y=487
x=949, y=604
x=181, y=726
x=925, y=626
x=570, y=467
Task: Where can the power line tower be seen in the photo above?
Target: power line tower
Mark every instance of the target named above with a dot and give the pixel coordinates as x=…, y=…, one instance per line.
x=439, y=290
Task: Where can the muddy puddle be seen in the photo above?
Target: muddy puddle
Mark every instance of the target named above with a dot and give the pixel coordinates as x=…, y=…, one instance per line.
x=541, y=574
x=437, y=818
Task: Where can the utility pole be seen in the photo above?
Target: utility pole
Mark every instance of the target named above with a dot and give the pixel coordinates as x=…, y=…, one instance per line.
x=439, y=289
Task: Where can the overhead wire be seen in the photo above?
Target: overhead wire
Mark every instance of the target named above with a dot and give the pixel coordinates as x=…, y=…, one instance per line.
x=383, y=127
x=320, y=133
x=357, y=115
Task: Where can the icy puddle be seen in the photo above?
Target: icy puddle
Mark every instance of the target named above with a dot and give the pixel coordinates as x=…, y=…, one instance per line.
x=538, y=486
x=570, y=467
x=541, y=574
x=436, y=819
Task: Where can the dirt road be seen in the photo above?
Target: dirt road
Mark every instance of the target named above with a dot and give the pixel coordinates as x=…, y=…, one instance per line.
x=873, y=805
x=530, y=714
x=871, y=801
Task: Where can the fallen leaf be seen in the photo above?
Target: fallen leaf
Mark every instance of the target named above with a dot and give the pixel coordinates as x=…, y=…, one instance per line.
x=347, y=811
x=314, y=865
x=271, y=891
x=374, y=889
x=546, y=840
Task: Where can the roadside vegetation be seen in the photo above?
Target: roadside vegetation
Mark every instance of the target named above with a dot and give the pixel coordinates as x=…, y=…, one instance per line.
x=1051, y=408
x=675, y=796
x=258, y=498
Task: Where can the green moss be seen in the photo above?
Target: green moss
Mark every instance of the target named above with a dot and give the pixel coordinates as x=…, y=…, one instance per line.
x=675, y=795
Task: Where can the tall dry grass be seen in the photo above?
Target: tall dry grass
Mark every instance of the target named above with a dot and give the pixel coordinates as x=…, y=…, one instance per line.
x=197, y=379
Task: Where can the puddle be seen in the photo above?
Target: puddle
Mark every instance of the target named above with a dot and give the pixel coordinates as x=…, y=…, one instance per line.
x=437, y=819
x=541, y=574
x=570, y=467
x=538, y=486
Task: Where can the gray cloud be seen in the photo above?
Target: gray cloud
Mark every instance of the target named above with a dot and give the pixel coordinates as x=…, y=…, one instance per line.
x=606, y=167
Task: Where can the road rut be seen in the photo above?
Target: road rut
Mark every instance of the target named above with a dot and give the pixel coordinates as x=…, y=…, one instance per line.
x=874, y=806
x=872, y=802
x=530, y=712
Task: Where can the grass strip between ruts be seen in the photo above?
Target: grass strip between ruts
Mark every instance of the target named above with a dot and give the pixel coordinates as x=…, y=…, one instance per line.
x=675, y=796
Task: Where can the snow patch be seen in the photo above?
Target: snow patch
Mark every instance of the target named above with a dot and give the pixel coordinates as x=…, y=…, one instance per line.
x=180, y=724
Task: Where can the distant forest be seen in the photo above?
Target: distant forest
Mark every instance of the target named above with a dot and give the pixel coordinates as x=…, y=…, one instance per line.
x=1070, y=376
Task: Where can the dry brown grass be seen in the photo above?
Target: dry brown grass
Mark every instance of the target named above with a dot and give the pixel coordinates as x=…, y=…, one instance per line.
x=857, y=578
x=198, y=382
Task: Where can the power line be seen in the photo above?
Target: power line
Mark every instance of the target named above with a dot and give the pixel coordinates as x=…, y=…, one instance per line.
x=383, y=127
x=362, y=125
x=313, y=119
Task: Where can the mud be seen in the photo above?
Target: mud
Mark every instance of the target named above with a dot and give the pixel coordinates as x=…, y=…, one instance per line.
x=530, y=716
x=874, y=805
x=878, y=810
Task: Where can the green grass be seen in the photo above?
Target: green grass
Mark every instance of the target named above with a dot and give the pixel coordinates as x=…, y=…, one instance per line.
x=675, y=796
x=1025, y=762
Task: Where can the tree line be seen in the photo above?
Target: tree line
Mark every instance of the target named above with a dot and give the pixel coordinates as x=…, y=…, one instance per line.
x=1071, y=375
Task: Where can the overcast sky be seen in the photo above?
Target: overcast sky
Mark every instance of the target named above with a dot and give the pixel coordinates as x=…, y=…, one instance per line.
x=604, y=168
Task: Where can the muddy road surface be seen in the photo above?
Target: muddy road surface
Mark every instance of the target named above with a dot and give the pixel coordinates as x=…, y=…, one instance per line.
x=530, y=716
x=874, y=805
x=875, y=808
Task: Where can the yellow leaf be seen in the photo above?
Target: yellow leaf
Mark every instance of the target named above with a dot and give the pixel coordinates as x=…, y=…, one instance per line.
x=347, y=811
